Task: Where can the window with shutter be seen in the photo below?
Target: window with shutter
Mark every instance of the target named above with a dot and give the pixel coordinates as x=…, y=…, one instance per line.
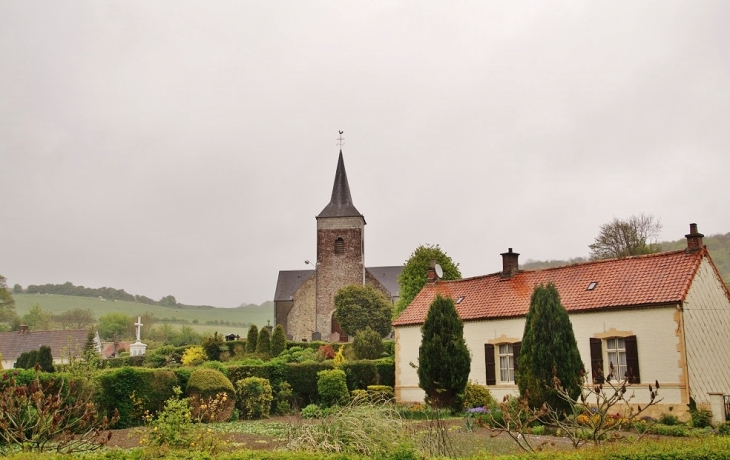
x=490, y=364
x=339, y=246
x=632, y=359
x=597, y=360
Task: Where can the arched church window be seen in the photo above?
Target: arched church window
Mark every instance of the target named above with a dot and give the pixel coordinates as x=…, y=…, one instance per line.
x=339, y=246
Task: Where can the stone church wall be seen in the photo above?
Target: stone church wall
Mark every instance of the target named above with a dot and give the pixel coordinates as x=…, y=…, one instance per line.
x=300, y=321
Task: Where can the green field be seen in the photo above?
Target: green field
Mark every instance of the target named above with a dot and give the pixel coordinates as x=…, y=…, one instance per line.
x=55, y=304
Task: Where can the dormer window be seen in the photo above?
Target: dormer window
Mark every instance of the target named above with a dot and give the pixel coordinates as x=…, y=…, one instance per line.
x=339, y=246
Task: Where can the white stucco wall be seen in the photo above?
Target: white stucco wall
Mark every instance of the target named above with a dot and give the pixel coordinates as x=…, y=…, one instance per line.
x=657, y=342
x=706, y=313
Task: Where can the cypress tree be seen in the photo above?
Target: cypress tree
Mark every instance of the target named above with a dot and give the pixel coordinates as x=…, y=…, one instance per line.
x=444, y=361
x=278, y=341
x=263, y=346
x=45, y=359
x=252, y=339
x=548, y=350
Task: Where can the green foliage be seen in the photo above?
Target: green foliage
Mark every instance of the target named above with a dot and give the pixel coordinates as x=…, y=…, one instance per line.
x=549, y=351
x=669, y=430
x=48, y=416
x=37, y=319
x=193, y=356
x=132, y=391
x=370, y=430
x=253, y=397
x=444, y=361
x=386, y=371
x=358, y=307
x=298, y=355
x=45, y=359
x=212, y=345
x=7, y=303
x=252, y=339
x=630, y=237
x=115, y=325
x=77, y=318
x=413, y=277
x=724, y=429
x=332, y=387
x=669, y=419
x=283, y=398
x=360, y=374
x=27, y=360
x=278, y=340
x=700, y=418
x=173, y=425
x=381, y=392
x=263, y=345
x=476, y=395
x=368, y=344
x=207, y=382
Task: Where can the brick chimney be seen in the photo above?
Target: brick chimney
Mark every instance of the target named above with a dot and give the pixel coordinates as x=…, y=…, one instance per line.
x=694, y=239
x=431, y=276
x=510, y=266
x=23, y=329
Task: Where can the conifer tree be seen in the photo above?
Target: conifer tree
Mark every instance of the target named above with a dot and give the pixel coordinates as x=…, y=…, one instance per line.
x=45, y=359
x=263, y=345
x=252, y=339
x=278, y=341
x=548, y=350
x=444, y=361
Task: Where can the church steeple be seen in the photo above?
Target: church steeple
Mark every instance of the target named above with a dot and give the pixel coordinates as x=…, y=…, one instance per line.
x=340, y=204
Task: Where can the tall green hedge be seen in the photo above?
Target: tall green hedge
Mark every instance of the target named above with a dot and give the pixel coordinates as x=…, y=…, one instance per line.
x=360, y=374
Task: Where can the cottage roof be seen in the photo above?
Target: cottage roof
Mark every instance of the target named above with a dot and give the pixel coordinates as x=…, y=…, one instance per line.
x=655, y=279
x=340, y=204
x=13, y=344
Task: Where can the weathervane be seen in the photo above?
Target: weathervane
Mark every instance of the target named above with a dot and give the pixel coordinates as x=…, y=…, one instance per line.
x=340, y=139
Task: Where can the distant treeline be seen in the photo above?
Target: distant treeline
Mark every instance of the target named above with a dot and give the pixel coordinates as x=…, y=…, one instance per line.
x=107, y=293
x=717, y=245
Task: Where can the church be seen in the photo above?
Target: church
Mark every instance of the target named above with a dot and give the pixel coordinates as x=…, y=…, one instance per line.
x=304, y=299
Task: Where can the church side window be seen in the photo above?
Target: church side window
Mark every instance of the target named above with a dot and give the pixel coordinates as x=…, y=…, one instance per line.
x=339, y=246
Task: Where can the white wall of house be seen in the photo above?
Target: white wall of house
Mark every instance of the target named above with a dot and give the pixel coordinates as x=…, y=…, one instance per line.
x=706, y=313
x=656, y=329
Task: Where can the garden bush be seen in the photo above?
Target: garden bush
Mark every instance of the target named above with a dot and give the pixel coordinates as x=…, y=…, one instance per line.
x=669, y=420
x=386, y=371
x=360, y=374
x=381, y=392
x=303, y=380
x=209, y=385
x=193, y=356
x=476, y=395
x=278, y=340
x=332, y=387
x=368, y=344
x=254, y=397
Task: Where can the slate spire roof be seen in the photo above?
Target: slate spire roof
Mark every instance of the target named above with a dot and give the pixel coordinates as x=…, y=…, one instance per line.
x=340, y=204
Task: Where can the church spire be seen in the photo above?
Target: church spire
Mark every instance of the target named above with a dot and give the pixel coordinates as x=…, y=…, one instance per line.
x=340, y=204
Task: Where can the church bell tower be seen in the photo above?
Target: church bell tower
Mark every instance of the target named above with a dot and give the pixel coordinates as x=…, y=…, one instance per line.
x=340, y=252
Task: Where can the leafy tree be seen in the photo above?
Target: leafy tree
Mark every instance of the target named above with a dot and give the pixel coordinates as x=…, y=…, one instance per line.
x=622, y=238
x=212, y=345
x=45, y=359
x=187, y=336
x=7, y=303
x=114, y=324
x=413, y=277
x=37, y=319
x=358, y=307
x=368, y=344
x=17, y=289
x=252, y=339
x=78, y=318
x=444, y=361
x=278, y=340
x=263, y=345
x=548, y=350
x=168, y=301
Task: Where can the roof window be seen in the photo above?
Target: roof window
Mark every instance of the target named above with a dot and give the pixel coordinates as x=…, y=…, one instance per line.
x=458, y=301
x=592, y=286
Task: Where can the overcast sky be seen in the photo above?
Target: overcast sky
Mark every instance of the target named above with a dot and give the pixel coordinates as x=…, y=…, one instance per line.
x=184, y=148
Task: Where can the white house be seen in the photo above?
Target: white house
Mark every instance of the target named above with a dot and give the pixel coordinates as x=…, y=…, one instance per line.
x=663, y=317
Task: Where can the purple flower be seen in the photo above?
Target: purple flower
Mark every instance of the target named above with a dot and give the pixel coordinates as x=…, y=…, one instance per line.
x=478, y=410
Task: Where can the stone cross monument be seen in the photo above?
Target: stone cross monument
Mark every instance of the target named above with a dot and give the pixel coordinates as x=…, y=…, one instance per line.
x=138, y=348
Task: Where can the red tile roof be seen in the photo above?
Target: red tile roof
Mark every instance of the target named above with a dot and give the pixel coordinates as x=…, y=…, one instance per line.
x=647, y=280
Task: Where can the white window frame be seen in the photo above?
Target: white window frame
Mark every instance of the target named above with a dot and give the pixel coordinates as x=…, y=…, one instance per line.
x=506, y=362
x=616, y=354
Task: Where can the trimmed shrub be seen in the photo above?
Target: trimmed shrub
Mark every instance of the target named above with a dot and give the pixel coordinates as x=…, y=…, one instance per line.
x=278, y=340
x=381, y=392
x=263, y=346
x=252, y=339
x=254, y=397
x=303, y=380
x=389, y=348
x=386, y=371
x=332, y=387
x=207, y=385
x=325, y=352
x=212, y=346
x=476, y=395
x=368, y=344
x=360, y=374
